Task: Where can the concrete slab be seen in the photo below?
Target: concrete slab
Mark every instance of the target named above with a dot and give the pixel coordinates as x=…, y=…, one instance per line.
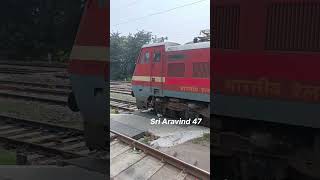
x=126, y=129
x=169, y=135
x=47, y=173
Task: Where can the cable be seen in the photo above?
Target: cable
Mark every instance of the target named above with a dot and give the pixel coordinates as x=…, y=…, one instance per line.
x=157, y=13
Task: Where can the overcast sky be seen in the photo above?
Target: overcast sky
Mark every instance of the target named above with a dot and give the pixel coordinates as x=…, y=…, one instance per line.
x=180, y=25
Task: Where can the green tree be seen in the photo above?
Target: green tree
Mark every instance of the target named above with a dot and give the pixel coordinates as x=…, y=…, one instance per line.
x=32, y=29
x=123, y=53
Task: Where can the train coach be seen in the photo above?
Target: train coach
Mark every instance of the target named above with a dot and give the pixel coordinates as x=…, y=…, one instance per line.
x=173, y=79
x=266, y=81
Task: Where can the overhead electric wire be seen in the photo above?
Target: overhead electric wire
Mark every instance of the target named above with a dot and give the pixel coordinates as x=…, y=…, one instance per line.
x=160, y=12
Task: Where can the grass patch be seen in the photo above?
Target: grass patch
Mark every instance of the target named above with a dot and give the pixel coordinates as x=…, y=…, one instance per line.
x=7, y=157
x=148, y=138
x=114, y=111
x=202, y=140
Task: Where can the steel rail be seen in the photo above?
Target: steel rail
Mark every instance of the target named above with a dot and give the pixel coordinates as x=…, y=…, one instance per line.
x=34, y=98
x=35, y=64
x=36, y=90
x=186, y=167
x=38, y=127
x=60, y=86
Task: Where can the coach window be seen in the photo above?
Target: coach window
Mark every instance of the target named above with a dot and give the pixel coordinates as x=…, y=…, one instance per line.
x=146, y=58
x=156, y=56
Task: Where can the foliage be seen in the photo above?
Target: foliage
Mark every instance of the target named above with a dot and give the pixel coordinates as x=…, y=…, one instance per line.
x=32, y=29
x=124, y=51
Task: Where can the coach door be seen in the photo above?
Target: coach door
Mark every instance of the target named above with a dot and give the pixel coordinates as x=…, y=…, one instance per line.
x=156, y=75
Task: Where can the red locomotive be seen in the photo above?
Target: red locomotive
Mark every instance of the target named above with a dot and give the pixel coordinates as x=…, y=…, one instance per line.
x=265, y=74
x=175, y=78
x=88, y=69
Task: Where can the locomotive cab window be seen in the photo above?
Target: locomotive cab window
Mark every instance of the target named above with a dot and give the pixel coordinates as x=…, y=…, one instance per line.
x=146, y=58
x=157, y=56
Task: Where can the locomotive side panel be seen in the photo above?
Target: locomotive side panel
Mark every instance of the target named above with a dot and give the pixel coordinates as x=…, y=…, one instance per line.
x=274, y=76
x=266, y=87
x=187, y=75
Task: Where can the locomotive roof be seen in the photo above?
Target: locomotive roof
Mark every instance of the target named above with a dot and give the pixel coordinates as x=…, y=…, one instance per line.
x=166, y=44
x=171, y=46
x=199, y=45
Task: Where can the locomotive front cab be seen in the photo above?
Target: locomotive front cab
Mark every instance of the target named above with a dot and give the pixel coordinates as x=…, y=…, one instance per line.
x=149, y=74
x=140, y=80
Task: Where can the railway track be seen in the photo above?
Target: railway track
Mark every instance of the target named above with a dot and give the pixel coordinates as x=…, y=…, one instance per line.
x=34, y=64
x=126, y=154
x=24, y=71
x=115, y=90
x=131, y=159
x=55, y=92
x=34, y=84
x=62, y=89
x=59, y=99
x=28, y=97
x=45, y=140
x=124, y=105
x=117, y=103
x=58, y=86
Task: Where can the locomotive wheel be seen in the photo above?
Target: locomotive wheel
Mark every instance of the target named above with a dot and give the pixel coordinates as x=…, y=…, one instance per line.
x=72, y=103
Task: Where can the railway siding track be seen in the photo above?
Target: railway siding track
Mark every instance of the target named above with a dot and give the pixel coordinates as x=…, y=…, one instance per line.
x=24, y=71
x=56, y=101
x=46, y=90
x=61, y=100
x=49, y=138
x=122, y=104
x=34, y=84
x=12, y=89
x=56, y=92
x=35, y=64
x=132, y=159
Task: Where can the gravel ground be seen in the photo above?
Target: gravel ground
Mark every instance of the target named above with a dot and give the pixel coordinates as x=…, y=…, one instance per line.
x=40, y=112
